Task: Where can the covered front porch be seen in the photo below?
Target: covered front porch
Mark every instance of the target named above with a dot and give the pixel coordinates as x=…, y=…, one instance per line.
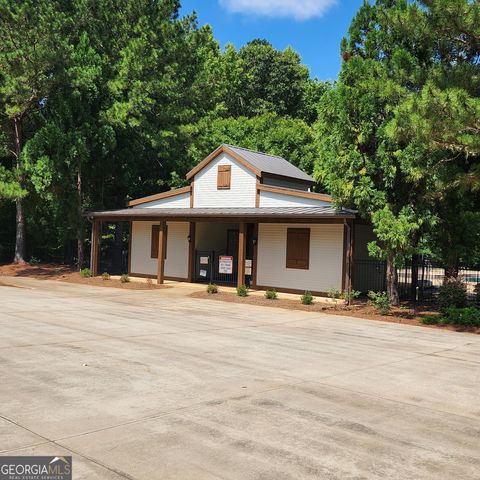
x=222, y=245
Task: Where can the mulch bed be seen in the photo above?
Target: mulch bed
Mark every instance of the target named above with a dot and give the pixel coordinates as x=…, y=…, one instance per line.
x=407, y=313
x=66, y=273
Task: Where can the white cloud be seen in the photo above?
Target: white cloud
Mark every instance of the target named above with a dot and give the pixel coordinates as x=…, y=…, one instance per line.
x=298, y=9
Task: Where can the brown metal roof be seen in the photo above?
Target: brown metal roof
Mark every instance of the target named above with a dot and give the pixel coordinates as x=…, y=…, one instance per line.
x=275, y=213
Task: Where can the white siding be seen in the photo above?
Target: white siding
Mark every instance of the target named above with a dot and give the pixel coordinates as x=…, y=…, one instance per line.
x=177, y=201
x=326, y=256
x=242, y=186
x=176, y=263
x=271, y=199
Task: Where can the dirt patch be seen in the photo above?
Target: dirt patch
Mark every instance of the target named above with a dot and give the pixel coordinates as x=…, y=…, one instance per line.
x=406, y=314
x=66, y=273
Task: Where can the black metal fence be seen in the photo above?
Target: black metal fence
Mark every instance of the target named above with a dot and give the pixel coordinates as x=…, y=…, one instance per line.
x=416, y=280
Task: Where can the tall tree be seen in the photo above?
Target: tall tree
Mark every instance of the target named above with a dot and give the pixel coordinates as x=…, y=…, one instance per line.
x=30, y=52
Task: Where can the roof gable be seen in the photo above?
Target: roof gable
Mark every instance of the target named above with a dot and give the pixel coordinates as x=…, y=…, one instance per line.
x=258, y=162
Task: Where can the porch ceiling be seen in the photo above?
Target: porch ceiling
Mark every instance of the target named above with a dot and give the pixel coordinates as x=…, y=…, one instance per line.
x=318, y=214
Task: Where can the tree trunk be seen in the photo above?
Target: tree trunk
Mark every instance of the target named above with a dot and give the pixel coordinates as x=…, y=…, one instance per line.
x=80, y=231
x=414, y=284
x=20, y=242
x=118, y=248
x=392, y=281
x=451, y=270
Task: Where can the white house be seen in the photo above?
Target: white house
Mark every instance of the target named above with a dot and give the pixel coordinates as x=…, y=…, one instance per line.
x=245, y=218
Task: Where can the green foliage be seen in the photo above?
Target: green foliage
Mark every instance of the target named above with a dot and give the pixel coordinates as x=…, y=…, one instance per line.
x=105, y=276
x=10, y=188
x=465, y=317
x=333, y=293
x=124, y=278
x=242, y=291
x=477, y=294
x=271, y=294
x=453, y=293
x=380, y=301
x=349, y=296
x=307, y=298
x=212, y=288
x=34, y=261
x=85, y=273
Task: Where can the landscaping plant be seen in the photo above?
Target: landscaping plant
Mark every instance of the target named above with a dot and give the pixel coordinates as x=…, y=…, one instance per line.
x=105, y=276
x=242, y=291
x=348, y=296
x=271, y=294
x=86, y=273
x=212, y=288
x=465, y=317
x=453, y=293
x=307, y=298
x=124, y=278
x=380, y=301
x=333, y=293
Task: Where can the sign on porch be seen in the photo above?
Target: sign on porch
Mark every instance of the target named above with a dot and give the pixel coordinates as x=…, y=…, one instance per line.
x=225, y=264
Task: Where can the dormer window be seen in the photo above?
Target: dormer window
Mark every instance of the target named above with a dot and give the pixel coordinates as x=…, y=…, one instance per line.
x=224, y=174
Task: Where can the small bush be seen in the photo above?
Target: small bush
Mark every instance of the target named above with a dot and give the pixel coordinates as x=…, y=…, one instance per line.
x=242, y=291
x=349, y=296
x=333, y=293
x=465, y=317
x=453, y=293
x=124, y=278
x=271, y=294
x=380, y=301
x=477, y=294
x=212, y=288
x=34, y=261
x=105, y=276
x=307, y=298
x=86, y=273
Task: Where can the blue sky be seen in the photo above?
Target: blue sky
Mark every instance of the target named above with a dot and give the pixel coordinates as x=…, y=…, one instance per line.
x=313, y=28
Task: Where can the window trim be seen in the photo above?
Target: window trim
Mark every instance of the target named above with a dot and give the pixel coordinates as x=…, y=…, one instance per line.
x=292, y=263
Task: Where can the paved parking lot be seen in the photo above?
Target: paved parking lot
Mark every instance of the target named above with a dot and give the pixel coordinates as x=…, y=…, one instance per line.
x=156, y=385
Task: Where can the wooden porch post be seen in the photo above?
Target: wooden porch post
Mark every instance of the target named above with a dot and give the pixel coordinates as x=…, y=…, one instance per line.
x=161, y=252
x=96, y=228
x=255, y=255
x=242, y=250
x=191, y=252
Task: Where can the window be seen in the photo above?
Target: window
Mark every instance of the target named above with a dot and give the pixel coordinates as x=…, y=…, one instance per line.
x=224, y=174
x=298, y=248
x=154, y=241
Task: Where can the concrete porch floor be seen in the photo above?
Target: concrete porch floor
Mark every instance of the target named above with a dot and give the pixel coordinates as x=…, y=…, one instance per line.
x=157, y=385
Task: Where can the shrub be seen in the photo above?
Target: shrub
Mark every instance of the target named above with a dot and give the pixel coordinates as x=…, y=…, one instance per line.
x=465, y=317
x=349, y=296
x=85, y=273
x=271, y=294
x=477, y=294
x=307, y=298
x=380, y=301
x=453, y=293
x=34, y=261
x=124, y=278
x=333, y=293
x=242, y=291
x=212, y=288
x=105, y=276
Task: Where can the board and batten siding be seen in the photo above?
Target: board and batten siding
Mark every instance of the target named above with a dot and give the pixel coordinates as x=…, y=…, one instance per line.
x=177, y=201
x=325, y=262
x=271, y=199
x=176, y=263
x=242, y=186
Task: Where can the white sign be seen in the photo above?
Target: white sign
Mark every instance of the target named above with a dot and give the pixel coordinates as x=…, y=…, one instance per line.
x=203, y=273
x=248, y=267
x=225, y=264
x=203, y=260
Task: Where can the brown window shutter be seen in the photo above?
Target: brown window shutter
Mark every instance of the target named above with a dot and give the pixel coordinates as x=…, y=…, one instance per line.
x=154, y=241
x=298, y=248
x=224, y=174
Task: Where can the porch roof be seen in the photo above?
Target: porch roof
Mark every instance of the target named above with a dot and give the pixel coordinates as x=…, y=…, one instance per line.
x=265, y=214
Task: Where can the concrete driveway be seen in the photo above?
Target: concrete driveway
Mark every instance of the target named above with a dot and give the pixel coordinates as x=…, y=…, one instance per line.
x=156, y=385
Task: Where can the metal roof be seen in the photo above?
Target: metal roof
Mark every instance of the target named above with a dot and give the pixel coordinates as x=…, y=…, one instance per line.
x=272, y=164
x=285, y=213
